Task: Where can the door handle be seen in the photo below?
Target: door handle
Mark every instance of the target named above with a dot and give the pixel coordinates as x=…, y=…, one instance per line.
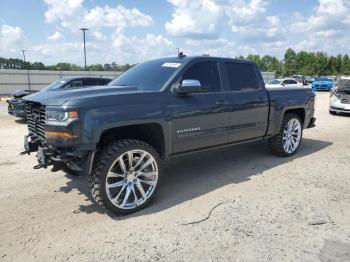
x=221, y=103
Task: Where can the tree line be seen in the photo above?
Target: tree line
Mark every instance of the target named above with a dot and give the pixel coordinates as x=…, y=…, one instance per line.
x=14, y=63
x=302, y=62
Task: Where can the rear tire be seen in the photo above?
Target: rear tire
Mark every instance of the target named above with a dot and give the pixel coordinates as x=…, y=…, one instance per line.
x=288, y=139
x=125, y=176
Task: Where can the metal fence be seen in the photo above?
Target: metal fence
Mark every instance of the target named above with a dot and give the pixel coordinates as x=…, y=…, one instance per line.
x=12, y=80
x=268, y=76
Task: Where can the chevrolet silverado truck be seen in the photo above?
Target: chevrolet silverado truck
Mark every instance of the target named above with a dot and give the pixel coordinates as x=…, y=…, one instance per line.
x=118, y=136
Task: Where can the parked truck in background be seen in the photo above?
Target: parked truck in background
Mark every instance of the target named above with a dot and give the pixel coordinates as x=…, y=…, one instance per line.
x=119, y=135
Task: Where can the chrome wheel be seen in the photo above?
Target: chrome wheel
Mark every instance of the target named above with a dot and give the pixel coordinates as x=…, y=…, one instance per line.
x=291, y=135
x=132, y=178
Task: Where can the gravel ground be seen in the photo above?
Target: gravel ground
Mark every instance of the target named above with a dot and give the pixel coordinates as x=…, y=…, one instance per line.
x=254, y=206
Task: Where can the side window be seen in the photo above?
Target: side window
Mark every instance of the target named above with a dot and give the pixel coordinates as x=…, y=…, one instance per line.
x=89, y=82
x=290, y=82
x=242, y=76
x=103, y=82
x=207, y=74
x=76, y=83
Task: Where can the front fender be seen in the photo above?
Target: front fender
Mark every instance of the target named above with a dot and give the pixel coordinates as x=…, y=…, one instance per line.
x=98, y=120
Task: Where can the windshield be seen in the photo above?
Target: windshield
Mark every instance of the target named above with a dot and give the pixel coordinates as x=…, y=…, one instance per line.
x=148, y=76
x=55, y=85
x=344, y=84
x=323, y=79
x=275, y=82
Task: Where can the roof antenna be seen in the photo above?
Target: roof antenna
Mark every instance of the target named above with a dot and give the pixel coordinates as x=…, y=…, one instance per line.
x=180, y=54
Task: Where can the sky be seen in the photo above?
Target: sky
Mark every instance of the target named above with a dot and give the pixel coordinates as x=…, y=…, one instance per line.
x=132, y=31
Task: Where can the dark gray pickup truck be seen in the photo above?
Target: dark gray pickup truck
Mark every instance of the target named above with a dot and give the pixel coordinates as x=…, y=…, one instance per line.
x=119, y=135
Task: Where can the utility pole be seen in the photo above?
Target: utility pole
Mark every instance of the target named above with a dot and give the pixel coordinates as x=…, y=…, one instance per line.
x=84, y=29
x=24, y=59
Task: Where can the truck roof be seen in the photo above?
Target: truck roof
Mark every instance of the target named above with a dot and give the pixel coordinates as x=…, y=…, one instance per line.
x=86, y=77
x=181, y=59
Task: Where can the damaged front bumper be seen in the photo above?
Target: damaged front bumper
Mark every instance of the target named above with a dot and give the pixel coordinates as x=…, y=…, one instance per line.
x=47, y=155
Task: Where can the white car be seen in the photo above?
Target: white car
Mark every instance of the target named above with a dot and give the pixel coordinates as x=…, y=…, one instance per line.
x=280, y=82
x=340, y=97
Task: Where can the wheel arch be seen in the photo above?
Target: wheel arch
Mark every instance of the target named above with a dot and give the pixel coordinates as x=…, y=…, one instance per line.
x=300, y=112
x=150, y=133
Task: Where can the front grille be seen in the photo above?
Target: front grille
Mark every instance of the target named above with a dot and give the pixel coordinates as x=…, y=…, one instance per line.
x=36, y=120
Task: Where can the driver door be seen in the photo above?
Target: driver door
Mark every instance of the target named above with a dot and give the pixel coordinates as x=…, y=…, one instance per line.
x=199, y=120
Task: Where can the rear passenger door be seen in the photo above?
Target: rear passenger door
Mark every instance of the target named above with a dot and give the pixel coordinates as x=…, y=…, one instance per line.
x=248, y=101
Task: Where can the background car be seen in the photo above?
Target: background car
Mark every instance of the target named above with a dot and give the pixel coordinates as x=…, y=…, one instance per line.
x=340, y=97
x=300, y=78
x=309, y=79
x=17, y=107
x=279, y=82
x=323, y=83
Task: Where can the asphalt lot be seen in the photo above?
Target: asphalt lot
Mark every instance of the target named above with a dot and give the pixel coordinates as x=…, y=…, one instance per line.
x=254, y=206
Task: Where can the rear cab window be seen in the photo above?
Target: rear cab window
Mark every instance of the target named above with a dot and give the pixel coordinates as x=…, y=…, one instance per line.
x=242, y=76
x=103, y=82
x=89, y=82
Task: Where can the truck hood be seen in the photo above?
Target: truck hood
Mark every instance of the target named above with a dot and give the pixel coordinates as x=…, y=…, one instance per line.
x=60, y=97
x=22, y=93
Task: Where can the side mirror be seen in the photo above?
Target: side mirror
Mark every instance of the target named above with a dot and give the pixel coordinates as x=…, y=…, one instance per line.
x=282, y=84
x=188, y=86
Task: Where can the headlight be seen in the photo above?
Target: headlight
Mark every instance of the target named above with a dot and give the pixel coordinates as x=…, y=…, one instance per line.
x=61, y=118
x=334, y=98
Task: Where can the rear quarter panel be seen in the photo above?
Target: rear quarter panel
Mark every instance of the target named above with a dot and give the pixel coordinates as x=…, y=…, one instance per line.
x=286, y=98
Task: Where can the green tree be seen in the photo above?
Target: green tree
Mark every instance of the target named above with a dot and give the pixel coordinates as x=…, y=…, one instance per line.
x=345, y=65
x=289, y=66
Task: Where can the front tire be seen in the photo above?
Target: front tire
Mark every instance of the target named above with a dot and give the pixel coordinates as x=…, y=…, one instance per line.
x=125, y=176
x=288, y=139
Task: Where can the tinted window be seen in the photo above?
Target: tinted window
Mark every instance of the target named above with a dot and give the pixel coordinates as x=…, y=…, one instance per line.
x=89, y=82
x=242, y=77
x=148, y=76
x=275, y=82
x=323, y=79
x=103, y=82
x=75, y=83
x=55, y=85
x=207, y=74
x=290, y=82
